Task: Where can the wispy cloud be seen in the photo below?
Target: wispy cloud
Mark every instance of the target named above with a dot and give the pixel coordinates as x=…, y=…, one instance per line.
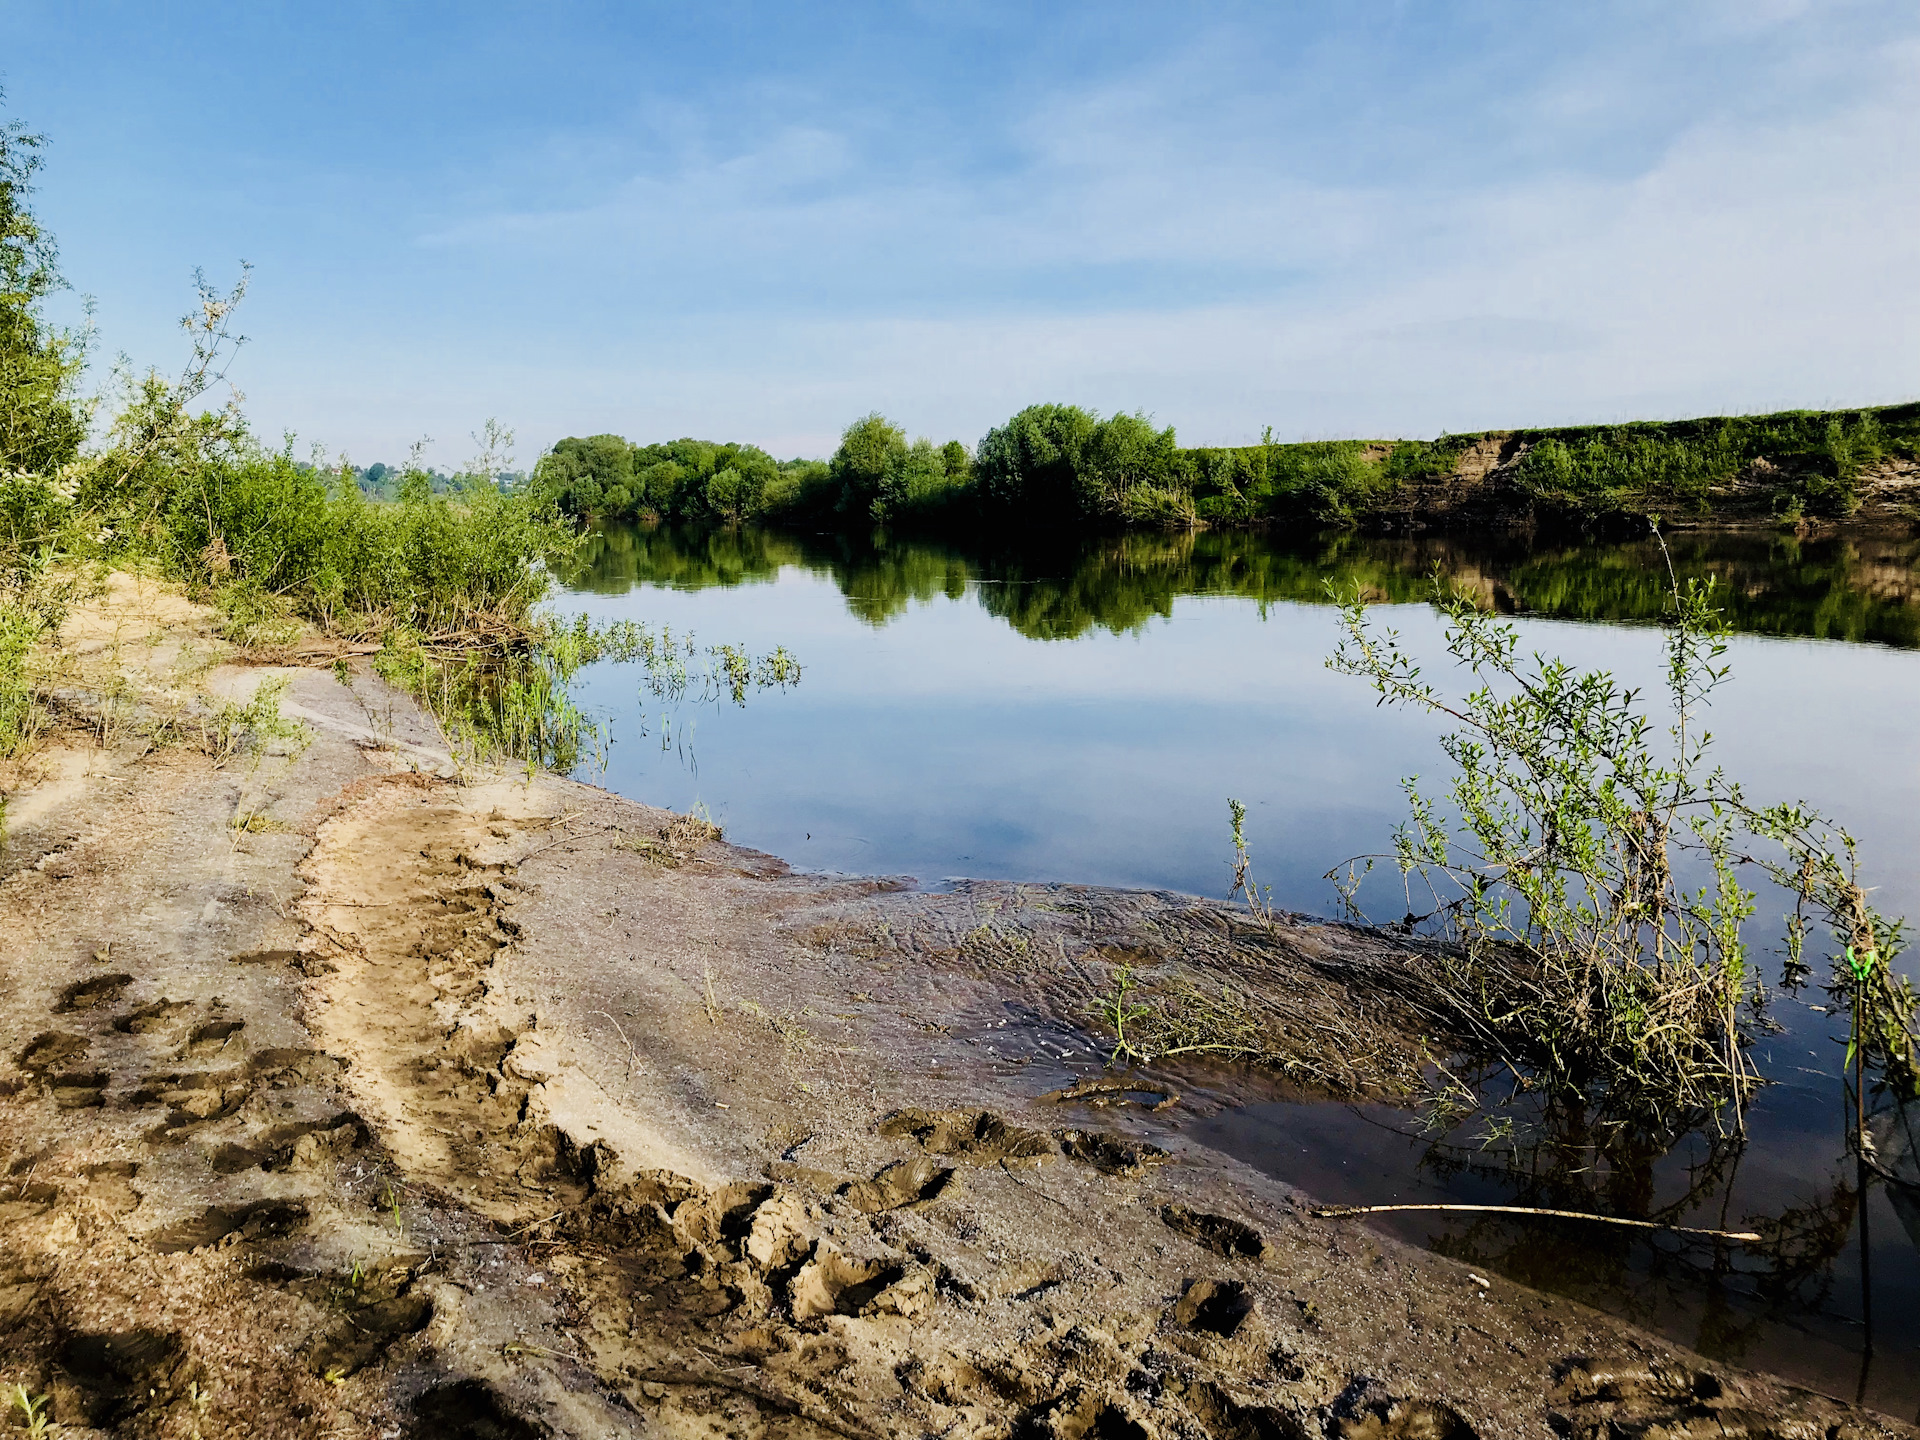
x=1376, y=219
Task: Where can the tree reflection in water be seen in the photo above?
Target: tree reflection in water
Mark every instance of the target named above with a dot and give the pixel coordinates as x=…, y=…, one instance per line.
x=1060, y=587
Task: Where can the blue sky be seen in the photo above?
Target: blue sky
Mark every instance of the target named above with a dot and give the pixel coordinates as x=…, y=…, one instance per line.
x=760, y=221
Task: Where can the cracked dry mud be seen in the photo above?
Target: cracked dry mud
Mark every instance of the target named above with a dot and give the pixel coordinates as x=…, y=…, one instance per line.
x=447, y=1109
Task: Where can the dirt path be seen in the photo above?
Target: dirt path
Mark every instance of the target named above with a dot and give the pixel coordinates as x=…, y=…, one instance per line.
x=343, y=1099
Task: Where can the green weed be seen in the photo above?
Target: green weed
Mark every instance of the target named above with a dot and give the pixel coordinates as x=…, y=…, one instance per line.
x=21, y=628
x=1161, y=1022
x=32, y=1408
x=392, y=1200
x=1259, y=901
x=231, y=725
x=675, y=842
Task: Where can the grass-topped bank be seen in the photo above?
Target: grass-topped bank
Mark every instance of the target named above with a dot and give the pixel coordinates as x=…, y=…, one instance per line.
x=439, y=585
x=1060, y=465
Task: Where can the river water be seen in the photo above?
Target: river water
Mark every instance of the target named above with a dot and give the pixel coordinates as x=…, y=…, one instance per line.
x=1083, y=710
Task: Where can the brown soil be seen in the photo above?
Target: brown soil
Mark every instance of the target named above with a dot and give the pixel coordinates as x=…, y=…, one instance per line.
x=408, y=1106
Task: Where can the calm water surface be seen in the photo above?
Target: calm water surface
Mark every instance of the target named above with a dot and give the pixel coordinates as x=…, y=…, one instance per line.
x=1083, y=712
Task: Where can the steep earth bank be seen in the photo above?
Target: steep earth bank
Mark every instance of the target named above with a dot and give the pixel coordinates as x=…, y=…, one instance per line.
x=1484, y=492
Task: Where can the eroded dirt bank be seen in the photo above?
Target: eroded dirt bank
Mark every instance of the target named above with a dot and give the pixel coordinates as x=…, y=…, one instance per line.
x=342, y=1098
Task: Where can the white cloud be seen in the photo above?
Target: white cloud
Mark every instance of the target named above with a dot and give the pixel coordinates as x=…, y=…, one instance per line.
x=1760, y=254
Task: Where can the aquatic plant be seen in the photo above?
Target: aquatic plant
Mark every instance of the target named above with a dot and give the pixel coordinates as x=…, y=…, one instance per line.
x=514, y=698
x=1587, y=866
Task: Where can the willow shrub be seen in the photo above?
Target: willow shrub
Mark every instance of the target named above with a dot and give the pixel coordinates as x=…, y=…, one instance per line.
x=1586, y=864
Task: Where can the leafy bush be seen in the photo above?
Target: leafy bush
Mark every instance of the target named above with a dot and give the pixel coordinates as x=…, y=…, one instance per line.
x=20, y=630
x=1585, y=868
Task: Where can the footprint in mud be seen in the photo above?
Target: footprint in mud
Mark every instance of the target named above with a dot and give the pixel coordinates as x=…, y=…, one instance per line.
x=1217, y=1307
x=103, y=1378
x=553, y=1159
x=779, y=1236
x=1232, y=1238
x=193, y=1098
x=214, y=1037
x=250, y=1220
x=1082, y=1415
x=1110, y=1154
x=1099, y=1090
x=835, y=1284
x=365, y=1333
x=978, y=1137
x=1222, y=1417
x=302, y=1145
x=321, y=1145
x=110, y=1185
x=19, y=1292
x=469, y=1410
x=87, y=994
x=292, y=1066
x=634, y=1213
x=51, y=1050
x=25, y=1200
x=1366, y=1411
x=903, y=1184
x=78, y=1089
x=482, y=1048
x=722, y=1217
x=1592, y=1400
x=162, y=1014
x=267, y=957
x=955, y=1379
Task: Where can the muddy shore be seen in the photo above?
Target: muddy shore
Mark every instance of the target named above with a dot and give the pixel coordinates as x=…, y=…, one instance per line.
x=347, y=1092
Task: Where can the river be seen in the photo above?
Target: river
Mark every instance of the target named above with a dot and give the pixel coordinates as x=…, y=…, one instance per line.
x=1083, y=710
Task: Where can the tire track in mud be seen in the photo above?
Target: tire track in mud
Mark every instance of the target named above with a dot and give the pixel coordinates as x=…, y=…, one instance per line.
x=751, y=1307
x=811, y=1303
x=406, y=925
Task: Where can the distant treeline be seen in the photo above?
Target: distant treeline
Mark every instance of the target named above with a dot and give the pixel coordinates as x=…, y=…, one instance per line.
x=1063, y=465
x=381, y=481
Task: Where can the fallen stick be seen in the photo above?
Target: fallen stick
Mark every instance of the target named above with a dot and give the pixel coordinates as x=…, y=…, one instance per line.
x=1335, y=1212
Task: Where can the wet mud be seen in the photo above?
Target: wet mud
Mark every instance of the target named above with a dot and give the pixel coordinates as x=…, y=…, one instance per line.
x=475, y=1107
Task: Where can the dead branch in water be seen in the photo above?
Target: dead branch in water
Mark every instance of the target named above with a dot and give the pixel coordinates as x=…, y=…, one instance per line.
x=1337, y=1212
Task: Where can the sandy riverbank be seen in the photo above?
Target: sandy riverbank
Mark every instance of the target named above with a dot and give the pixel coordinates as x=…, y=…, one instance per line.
x=347, y=1094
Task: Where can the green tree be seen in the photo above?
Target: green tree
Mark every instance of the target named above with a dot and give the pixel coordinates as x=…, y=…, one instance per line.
x=867, y=467
x=1124, y=457
x=958, y=462
x=41, y=426
x=730, y=495
x=590, y=477
x=1032, y=462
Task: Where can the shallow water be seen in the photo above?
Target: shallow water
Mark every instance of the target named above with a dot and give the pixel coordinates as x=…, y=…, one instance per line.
x=1082, y=712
